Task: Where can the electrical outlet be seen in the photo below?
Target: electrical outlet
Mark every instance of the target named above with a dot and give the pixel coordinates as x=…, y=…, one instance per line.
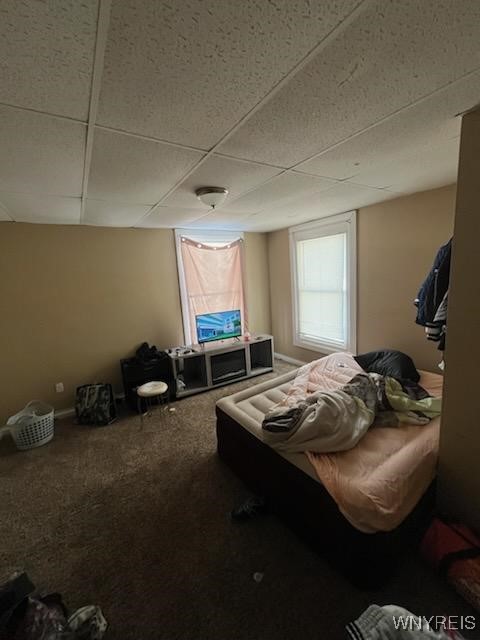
x=59, y=388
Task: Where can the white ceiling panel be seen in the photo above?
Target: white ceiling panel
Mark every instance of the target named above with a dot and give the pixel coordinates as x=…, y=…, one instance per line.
x=113, y=214
x=356, y=118
x=342, y=197
x=42, y=209
x=170, y=217
x=47, y=49
x=128, y=169
x=289, y=186
x=188, y=71
x=393, y=54
x=272, y=222
x=419, y=128
x=221, y=219
x=40, y=154
x=236, y=175
x=428, y=169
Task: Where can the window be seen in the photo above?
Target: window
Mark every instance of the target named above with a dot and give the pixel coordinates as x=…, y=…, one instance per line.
x=323, y=266
x=210, y=270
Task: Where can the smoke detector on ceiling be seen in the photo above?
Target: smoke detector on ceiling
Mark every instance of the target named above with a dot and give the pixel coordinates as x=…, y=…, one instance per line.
x=212, y=196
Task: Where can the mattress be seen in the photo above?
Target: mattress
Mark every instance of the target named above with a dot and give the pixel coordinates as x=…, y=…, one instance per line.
x=411, y=474
x=248, y=408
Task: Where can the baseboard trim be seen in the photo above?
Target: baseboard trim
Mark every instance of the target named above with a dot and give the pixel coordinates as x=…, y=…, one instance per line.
x=288, y=359
x=65, y=413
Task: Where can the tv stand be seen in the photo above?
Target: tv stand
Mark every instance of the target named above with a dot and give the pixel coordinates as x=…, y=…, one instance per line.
x=213, y=364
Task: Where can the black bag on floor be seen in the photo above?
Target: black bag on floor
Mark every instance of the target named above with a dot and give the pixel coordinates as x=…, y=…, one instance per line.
x=95, y=404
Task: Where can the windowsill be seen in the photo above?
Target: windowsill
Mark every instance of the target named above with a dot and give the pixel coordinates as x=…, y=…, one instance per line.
x=321, y=347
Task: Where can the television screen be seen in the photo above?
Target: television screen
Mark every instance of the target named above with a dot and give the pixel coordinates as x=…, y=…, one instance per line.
x=218, y=326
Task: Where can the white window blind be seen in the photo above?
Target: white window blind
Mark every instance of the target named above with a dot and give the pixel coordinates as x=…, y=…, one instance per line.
x=323, y=279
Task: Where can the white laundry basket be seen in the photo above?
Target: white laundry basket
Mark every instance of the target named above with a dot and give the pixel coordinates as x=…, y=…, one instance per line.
x=32, y=426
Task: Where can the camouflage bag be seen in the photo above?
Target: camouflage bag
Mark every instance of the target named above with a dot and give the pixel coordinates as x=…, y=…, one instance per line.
x=95, y=404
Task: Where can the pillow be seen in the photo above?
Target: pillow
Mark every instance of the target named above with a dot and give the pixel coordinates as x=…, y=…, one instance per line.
x=389, y=363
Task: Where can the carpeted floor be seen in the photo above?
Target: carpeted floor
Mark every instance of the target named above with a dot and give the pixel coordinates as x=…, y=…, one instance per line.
x=138, y=522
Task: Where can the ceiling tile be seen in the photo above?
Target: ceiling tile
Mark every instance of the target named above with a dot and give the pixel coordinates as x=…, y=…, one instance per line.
x=170, y=217
x=264, y=225
x=113, y=214
x=40, y=154
x=340, y=198
x=393, y=54
x=127, y=169
x=220, y=219
x=287, y=187
x=418, y=128
x=427, y=169
x=236, y=175
x=47, y=50
x=42, y=209
x=188, y=71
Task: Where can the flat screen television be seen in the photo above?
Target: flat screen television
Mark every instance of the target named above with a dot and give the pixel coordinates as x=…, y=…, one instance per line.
x=218, y=326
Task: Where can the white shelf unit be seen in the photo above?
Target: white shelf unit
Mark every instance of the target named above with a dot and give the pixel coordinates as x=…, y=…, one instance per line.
x=218, y=363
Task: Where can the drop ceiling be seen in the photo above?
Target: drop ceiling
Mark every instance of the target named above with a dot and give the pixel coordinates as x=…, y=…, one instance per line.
x=112, y=113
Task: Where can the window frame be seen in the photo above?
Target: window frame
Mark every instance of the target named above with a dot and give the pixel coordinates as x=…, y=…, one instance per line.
x=340, y=223
x=203, y=236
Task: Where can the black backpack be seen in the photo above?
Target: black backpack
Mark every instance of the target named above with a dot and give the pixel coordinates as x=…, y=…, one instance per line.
x=95, y=404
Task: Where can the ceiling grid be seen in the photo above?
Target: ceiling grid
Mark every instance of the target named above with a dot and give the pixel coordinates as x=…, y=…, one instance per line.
x=112, y=112
x=100, y=45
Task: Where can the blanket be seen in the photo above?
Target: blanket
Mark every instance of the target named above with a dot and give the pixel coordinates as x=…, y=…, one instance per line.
x=335, y=420
x=327, y=374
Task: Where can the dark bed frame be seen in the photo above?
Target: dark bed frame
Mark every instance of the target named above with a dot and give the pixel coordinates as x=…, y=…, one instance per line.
x=367, y=560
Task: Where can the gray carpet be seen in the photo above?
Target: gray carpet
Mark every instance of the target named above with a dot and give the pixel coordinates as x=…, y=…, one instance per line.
x=138, y=522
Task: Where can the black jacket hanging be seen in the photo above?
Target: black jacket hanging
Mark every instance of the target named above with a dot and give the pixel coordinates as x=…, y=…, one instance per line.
x=434, y=287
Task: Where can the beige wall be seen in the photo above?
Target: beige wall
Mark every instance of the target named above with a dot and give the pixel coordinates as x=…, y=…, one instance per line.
x=396, y=244
x=257, y=282
x=77, y=299
x=459, y=480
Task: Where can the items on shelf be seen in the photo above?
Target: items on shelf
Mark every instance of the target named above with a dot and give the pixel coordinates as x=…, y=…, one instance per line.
x=204, y=367
x=149, y=363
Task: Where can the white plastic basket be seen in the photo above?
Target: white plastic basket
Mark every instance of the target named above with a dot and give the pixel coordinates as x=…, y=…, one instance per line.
x=32, y=426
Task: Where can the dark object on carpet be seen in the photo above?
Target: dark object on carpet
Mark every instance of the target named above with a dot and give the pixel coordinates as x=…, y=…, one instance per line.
x=28, y=615
x=12, y=592
x=95, y=404
x=367, y=560
x=389, y=362
x=453, y=549
x=249, y=509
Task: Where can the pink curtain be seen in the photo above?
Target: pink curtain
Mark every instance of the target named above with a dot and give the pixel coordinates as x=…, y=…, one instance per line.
x=213, y=278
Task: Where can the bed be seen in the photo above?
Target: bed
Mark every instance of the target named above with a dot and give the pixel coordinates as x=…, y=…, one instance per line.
x=338, y=516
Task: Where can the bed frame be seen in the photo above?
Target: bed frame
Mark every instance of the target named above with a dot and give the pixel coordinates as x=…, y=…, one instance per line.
x=367, y=560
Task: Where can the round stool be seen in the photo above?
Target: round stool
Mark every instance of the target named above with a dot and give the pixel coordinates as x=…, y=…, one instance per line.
x=155, y=389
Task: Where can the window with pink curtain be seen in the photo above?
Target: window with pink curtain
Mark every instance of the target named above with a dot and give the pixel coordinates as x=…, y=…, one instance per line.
x=213, y=278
